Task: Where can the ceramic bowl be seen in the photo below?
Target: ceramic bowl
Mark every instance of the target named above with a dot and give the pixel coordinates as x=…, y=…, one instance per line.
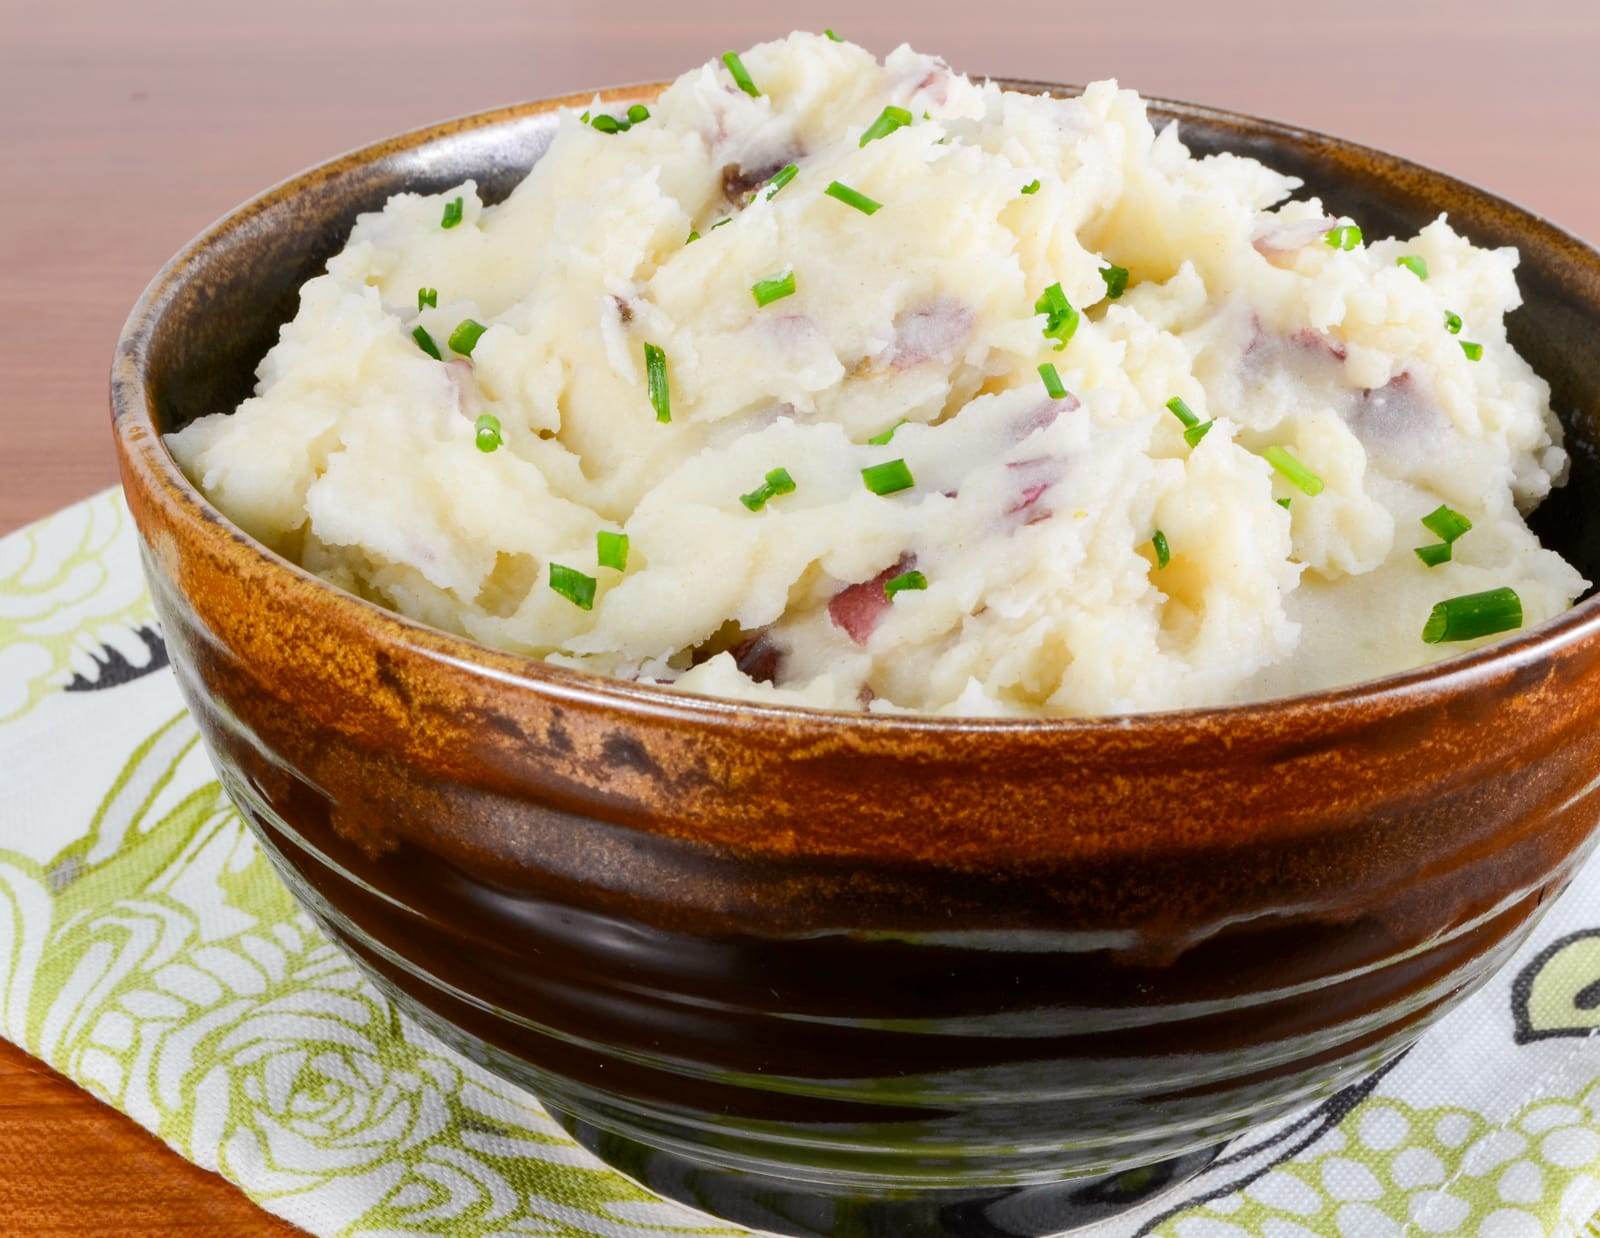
x=826, y=972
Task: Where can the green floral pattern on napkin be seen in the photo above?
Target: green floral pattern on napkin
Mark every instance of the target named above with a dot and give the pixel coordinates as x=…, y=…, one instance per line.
x=148, y=952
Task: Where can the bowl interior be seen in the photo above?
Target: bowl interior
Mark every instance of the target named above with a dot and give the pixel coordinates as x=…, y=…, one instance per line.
x=209, y=336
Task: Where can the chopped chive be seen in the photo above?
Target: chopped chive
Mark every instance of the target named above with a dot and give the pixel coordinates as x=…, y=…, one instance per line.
x=741, y=78
x=1446, y=523
x=906, y=580
x=611, y=549
x=573, y=585
x=1283, y=503
x=888, y=478
x=465, y=337
x=852, y=197
x=1474, y=351
x=1194, y=434
x=427, y=297
x=881, y=439
x=726, y=219
x=425, y=342
x=767, y=291
x=1182, y=412
x=1434, y=555
x=1052, y=381
x=486, y=432
x=776, y=482
x=890, y=119
x=1302, y=478
x=1032, y=186
x=638, y=112
x=452, y=213
x=655, y=368
x=605, y=123
x=583, y=118
x=1116, y=280
x=1345, y=236
x=693, y=236
x=1061, y=320
x=1417, y=266
x=829, y=32
x=782, y=177
x=1452, y=322
x=1473, y=615
x=1163, y=551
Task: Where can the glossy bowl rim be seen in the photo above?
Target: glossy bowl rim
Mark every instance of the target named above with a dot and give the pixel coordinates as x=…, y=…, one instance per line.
x=142, y=453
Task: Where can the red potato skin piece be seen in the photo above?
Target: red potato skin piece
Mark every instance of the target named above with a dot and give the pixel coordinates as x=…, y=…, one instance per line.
x=857, y=609
x=935, y=331
x=1308, y=338
x=760, y=657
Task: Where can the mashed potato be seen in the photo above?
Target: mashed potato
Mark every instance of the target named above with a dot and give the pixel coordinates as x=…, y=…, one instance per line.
x=865, y=492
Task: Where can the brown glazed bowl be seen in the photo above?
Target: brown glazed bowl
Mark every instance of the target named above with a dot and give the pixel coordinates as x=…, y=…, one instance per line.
x=824, y=972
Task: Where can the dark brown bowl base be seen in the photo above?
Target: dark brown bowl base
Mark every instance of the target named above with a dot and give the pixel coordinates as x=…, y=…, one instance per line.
x=810, y=1210
x=890, y=975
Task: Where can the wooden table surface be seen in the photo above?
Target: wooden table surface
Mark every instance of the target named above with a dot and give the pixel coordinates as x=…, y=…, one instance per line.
x=131, y=126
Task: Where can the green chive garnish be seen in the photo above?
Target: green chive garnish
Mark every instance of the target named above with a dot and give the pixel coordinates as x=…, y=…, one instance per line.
x=1297, y=474
x=829, y=32
x=1446, y=523
x=1434, y=555
x=427, y=296
x=465, y=337
x=1474, y=351
x=425, y=342
x=726, y=219
x=1061, y=320
x=1452, y=322
x=776, y=482
x=1194, y=434
x=851, y=197
x=1116, y=280
x=740, y=77
x=1052, y=381
x=1163, y=551
x=784, y=175
x=890, y=119
x=573, y=585
x=880, y=439
x=1032, y=186
x=604, y=123
x=1283, y=503
x=693, y=236
x=452, y=213
x=767, y=291
x=1417, y=266
x=583, y=117
x=888, y=478
x=611, y=549
x=1473, y=615
x=1345, y=236
x=1182, y=412
x=906, y=580
x=486, y=432
x=638, y=112
x=655, y=368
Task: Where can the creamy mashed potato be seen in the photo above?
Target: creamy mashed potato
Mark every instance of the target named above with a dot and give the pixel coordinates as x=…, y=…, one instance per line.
x=1062, y=547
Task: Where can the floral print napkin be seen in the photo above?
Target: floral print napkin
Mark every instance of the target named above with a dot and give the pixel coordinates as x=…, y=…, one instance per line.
x=148, y=952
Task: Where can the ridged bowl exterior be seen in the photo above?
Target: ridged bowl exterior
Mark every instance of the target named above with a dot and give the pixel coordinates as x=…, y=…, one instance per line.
x=869, y=950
